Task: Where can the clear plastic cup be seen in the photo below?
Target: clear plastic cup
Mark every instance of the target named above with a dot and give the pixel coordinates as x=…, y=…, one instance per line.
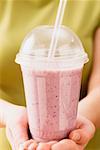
x=52, y=86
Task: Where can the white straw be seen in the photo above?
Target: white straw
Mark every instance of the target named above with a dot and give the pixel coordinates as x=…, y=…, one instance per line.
x=57, y=25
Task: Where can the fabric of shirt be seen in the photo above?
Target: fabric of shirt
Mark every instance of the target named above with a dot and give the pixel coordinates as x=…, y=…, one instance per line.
x=17, y=18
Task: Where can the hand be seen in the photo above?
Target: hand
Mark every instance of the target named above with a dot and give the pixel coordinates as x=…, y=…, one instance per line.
x=78, y=138
x=84, y=131
x=16, y=126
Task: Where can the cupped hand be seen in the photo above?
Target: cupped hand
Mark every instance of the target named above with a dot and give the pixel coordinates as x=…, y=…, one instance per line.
x=16, y=126
x=77, y=140
x=79, y=137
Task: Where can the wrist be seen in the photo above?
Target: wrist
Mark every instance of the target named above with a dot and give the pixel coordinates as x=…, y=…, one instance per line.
x=15, y=112
x=6, y=109
x=3, y=111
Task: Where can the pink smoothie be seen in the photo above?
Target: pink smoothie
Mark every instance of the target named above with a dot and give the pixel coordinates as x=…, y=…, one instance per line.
x=52, y=99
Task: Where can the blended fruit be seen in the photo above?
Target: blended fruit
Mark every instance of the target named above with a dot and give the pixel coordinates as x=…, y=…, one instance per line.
x=52, y=98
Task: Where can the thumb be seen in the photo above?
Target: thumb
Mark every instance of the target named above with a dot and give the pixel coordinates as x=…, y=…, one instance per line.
x=84, y=134
x=20, y=134
x=79, y=137
x=17, y=135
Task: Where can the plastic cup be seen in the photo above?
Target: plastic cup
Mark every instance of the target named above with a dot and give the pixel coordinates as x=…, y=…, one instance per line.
x=52, y=86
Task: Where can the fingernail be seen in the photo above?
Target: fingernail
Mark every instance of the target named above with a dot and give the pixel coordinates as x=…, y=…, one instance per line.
x=43, y=146
x=31, y=148
x=76, y=137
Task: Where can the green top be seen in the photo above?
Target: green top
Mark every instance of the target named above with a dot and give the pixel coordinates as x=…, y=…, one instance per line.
x=17, y=18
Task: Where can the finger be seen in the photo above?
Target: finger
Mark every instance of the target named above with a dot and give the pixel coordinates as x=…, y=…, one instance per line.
x=46, y=146
x=80, y=137
x=65, y=144
x=28, y=143
x=32, y=146
x=52, y=143
x=43, y=146
x=84, y=133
